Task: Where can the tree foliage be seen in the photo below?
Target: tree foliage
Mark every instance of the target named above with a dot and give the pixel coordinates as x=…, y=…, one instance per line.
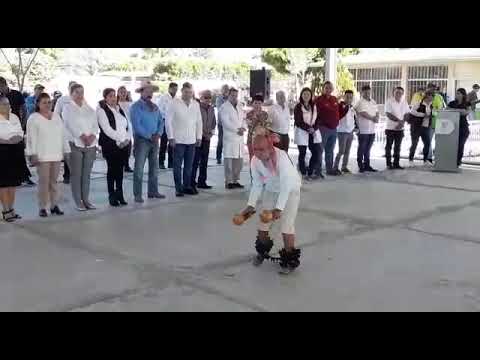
x=172, y=69
x=296, y=62
x=20, y=61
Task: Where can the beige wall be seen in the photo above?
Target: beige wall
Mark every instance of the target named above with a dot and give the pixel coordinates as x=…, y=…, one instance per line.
x=466, y=74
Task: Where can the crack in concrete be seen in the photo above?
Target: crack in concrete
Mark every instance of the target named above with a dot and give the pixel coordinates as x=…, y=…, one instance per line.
x=152, y=276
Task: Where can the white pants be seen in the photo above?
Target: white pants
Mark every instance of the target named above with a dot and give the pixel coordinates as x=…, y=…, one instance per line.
x=289, y=214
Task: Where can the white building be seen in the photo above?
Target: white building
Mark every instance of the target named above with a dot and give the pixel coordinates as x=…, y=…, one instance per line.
x=412, y=69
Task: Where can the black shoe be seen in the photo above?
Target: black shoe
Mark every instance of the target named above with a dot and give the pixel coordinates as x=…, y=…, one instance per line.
x=66, y=181
x=56, y=211
x=112, y=199
x=219, y=162
x=238, y=186
x=361, y=170
x=29, y=182
x=204, y=186
x=170, y=166
x=162, y=166
x=390, y=167
x=398, y=167
x=190, y=191
x=231, y=186
x=128, y=169
x=9, y=216
x=43, y=213
x=180, y=194
x=370, y=169
x=120, y=198
x=156, y=196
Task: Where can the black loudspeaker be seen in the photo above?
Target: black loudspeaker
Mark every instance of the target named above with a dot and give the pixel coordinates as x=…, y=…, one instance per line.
x=260, y=83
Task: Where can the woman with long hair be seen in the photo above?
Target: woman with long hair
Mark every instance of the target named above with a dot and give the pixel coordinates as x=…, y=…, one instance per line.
x=464, y=107
x=307, y=134
x=124, y=100
x=47, y=146
x=12, y=158
x=115, y=137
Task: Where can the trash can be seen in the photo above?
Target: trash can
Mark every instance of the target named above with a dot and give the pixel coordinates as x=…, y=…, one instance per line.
x=446, y=141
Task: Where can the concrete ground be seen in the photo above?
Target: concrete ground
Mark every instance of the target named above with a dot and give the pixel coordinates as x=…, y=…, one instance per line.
x=392, y=241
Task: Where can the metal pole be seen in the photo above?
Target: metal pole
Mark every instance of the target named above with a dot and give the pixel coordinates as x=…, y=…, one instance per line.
x=331, y=66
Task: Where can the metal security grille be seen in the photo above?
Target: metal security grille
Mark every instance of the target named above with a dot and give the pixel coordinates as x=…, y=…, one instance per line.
x=381, y=80
x=420, y=76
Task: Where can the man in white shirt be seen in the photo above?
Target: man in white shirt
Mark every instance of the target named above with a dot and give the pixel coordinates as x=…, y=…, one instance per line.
x=367, y=116
x=234, y=127
x=184, y=129
x=59, y=105
x=396, y=110
x=280, y=116
x=221, y=99
x=164, y=103
x=277, y=182
x=345, y=133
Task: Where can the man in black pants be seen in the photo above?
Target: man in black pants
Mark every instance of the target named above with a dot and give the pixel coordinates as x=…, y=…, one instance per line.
x=420, y=123
x=396, y=110
x=220, y=101
x=201, y=153
x=163, y=104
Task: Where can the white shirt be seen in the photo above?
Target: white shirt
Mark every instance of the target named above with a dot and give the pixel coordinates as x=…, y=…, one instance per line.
x=10, y=128
x=397, y=109
x=164, y=103
x=46, y=138
x=125, y=105
x=59, y=106
x=61, y=102
x=426, y=116
x=280, y=119
x=347, y=123
x=184, y=122
x=285, y=180
x=80, y=120
x=120, y=134
x=366, y=126
x=233, y=118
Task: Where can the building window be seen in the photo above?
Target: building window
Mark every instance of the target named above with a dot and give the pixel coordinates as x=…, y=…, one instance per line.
x=382, y=81
x=420, y=76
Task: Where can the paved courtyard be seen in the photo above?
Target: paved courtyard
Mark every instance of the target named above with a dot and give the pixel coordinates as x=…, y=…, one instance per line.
x=392, y=241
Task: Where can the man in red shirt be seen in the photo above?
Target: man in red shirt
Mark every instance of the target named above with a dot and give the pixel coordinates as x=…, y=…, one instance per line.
x=328, y=117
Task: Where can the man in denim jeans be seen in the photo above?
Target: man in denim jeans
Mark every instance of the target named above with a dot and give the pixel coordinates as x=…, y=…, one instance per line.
x=184, y=129
x=147, y=125
x=328, y=117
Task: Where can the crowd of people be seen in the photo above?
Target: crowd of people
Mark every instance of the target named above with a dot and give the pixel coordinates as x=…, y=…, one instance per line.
x=49, y=131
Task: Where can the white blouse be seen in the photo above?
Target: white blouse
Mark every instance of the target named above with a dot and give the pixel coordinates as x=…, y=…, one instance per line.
x=80, y=120
x=46, y=138
x=123, y=129
x=125, y=105
x=10, y=128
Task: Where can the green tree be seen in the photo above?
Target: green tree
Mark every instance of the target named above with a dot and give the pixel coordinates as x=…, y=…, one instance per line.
x=289, y=61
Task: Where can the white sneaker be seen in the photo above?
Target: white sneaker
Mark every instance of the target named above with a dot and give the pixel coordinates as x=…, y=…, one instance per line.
x=427, y=164
x=81, y=208
x=90, y=206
